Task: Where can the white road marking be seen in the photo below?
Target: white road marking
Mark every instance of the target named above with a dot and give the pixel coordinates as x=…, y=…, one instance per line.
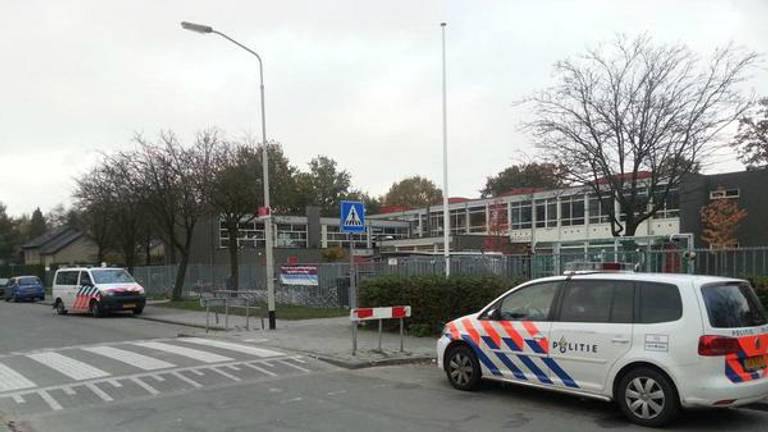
x=197, y=372
x=49, y=400
x=294, y=366
x=145, y=386
x=115, y=383
x=19, y=399
x=68, y=390
x=134, y=359
x=12, y=380
x=99, y=392
x=233, y=367
x=262, y=370
x=68, y=366
x=203, y=356
x=187, y=380
x=225, y=374
x=296, y=399
x=245, y=349
x=158, y=378
x=337, y=392
x=297, y=359
x=256, y=340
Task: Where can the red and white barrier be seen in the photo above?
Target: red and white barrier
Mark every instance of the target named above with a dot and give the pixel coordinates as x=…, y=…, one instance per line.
x=379, y=313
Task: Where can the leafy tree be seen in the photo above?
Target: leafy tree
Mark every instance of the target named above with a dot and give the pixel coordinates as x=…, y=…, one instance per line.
x=37, y=225
x=525, y=175
x=720, y=219
x=751, y=141
x=372, y=204
x=629, y=121
x=324, y=185
x=413, y=192
x=9, y=236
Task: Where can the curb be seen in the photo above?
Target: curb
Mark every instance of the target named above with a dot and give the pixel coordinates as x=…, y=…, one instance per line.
x=181, y=323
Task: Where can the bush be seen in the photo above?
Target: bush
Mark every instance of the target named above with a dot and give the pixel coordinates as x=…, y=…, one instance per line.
x=434, y=300
x=760, y=283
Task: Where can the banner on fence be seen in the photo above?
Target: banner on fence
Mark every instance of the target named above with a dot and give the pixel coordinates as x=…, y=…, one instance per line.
x=298, y=275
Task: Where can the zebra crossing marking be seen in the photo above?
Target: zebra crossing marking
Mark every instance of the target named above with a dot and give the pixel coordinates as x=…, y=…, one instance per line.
x=225, y=374
x=294, y=366
x=68, y=366
x=245, y=349
x=49, y=400
x=259, y=369
x=99, y=392
x=151, y=390
x=140, y=361
x=12, y=380
x=187, y=380
x=202, y=356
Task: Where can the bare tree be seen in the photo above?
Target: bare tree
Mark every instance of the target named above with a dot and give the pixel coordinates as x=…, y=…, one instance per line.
x=631, y=119
x=96, y=206
x=172, y=181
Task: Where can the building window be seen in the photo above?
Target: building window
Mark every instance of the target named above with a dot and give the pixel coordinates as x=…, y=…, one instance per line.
x=291, y=236
x=724, y=193
x=600, y=209
x=546, y=213
x=250, y=235
x=640, y=203
x=436, y=224
x=477, y=222
x=336, y=238
x=521, y=215
x=671, y=205
x=389, y=233
x=458, y=221
x=572, y=210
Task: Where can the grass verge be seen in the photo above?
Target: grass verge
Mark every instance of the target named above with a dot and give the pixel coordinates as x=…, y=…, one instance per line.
x=283, y=311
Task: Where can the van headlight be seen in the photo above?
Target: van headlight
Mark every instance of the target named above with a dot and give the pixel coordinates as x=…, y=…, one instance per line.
x=108, y=293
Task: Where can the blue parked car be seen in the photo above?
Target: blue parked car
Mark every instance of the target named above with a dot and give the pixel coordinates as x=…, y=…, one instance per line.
x=24, y=288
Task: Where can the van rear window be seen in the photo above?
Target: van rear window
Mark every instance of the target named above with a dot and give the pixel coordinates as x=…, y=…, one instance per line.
x=731, y=305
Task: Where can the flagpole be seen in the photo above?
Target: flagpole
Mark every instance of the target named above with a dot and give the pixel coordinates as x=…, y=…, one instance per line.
x=446, y=218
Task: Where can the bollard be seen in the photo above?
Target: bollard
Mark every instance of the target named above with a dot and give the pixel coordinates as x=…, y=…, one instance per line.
x=226, y=314
x=247, y=323
x=401, y=335
x=207, y=316
x=380, y=331
x=354, y=338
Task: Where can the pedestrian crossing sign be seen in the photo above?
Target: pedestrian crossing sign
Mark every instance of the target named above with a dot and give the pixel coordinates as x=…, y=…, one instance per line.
x=352, y=217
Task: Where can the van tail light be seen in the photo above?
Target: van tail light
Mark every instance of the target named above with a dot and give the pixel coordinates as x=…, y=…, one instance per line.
x=718, y=346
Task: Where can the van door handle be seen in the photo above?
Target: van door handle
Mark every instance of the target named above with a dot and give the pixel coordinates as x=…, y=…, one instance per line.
x=539, y=337
x=620, y=340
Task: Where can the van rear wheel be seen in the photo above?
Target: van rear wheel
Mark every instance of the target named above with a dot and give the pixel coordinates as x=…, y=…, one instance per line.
x=647, y=397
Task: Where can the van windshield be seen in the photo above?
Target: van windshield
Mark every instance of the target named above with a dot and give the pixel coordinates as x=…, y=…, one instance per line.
x=111, y=276
x=731, y=305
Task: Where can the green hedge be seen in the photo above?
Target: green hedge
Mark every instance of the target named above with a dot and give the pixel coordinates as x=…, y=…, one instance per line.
x=434, y=299
x=760, y=283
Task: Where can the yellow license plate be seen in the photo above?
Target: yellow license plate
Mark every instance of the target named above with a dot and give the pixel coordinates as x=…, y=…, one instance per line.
x=129, y=306
x=754, y=363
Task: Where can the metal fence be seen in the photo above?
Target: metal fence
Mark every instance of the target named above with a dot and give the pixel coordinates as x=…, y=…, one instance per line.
x=333, y=278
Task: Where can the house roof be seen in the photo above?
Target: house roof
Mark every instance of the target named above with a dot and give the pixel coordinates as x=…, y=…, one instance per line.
x=54, y=240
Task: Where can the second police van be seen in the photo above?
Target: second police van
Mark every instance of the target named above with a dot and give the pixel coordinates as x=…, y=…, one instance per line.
x=96, y=290
x=653, y=343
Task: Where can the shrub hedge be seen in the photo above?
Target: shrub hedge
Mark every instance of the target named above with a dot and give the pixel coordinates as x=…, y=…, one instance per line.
x=434, y=299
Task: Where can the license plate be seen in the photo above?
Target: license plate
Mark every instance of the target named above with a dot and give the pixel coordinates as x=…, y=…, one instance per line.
x=129, y=306
x=754, y=363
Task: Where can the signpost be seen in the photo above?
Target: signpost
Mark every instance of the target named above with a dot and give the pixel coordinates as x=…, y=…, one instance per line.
x=352, y=221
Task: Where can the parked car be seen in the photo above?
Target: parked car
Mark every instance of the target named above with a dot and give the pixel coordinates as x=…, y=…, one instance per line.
x=653, y=343
x=96, y=291
x=24, y=288
x=3, y=284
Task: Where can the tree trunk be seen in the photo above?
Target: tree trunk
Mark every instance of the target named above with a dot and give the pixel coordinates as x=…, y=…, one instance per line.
x=148, y=252
x=181, y=272
x=234, y=265
x=630, y=227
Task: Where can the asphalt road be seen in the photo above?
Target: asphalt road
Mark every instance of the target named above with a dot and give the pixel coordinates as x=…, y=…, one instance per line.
x=72, y=374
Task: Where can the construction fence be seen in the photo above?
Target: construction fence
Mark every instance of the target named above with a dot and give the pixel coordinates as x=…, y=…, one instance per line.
x=331, y=286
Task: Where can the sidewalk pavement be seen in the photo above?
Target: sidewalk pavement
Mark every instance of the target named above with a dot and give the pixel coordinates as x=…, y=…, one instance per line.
x=328, y=339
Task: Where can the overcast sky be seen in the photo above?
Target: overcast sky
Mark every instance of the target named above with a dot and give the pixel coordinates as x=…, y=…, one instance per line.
x=355, y=80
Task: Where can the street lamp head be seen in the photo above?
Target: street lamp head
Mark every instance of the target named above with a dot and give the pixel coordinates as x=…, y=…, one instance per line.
x=442, y=24
x=199, y=28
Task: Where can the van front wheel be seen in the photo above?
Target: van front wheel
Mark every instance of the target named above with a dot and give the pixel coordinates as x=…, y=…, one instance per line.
x=94, y=309
x=60, y=309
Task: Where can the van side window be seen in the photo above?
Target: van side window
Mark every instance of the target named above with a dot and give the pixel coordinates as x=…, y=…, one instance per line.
x=66, y=278
x=659, y=303
x=85, y=278
x=600, y=301
x=531, y=303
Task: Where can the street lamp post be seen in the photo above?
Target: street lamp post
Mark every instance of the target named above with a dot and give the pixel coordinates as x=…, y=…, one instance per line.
x=446, y=218
x=199, y=28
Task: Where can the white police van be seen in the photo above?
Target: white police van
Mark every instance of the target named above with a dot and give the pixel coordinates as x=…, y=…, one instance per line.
x=653, y=343
x=96, y=290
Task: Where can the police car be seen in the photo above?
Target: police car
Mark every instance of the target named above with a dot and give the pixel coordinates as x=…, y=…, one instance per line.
x=96, y=291
x=653, y=343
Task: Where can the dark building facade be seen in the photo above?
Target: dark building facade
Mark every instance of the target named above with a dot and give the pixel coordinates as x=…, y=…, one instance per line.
x=748, y=188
